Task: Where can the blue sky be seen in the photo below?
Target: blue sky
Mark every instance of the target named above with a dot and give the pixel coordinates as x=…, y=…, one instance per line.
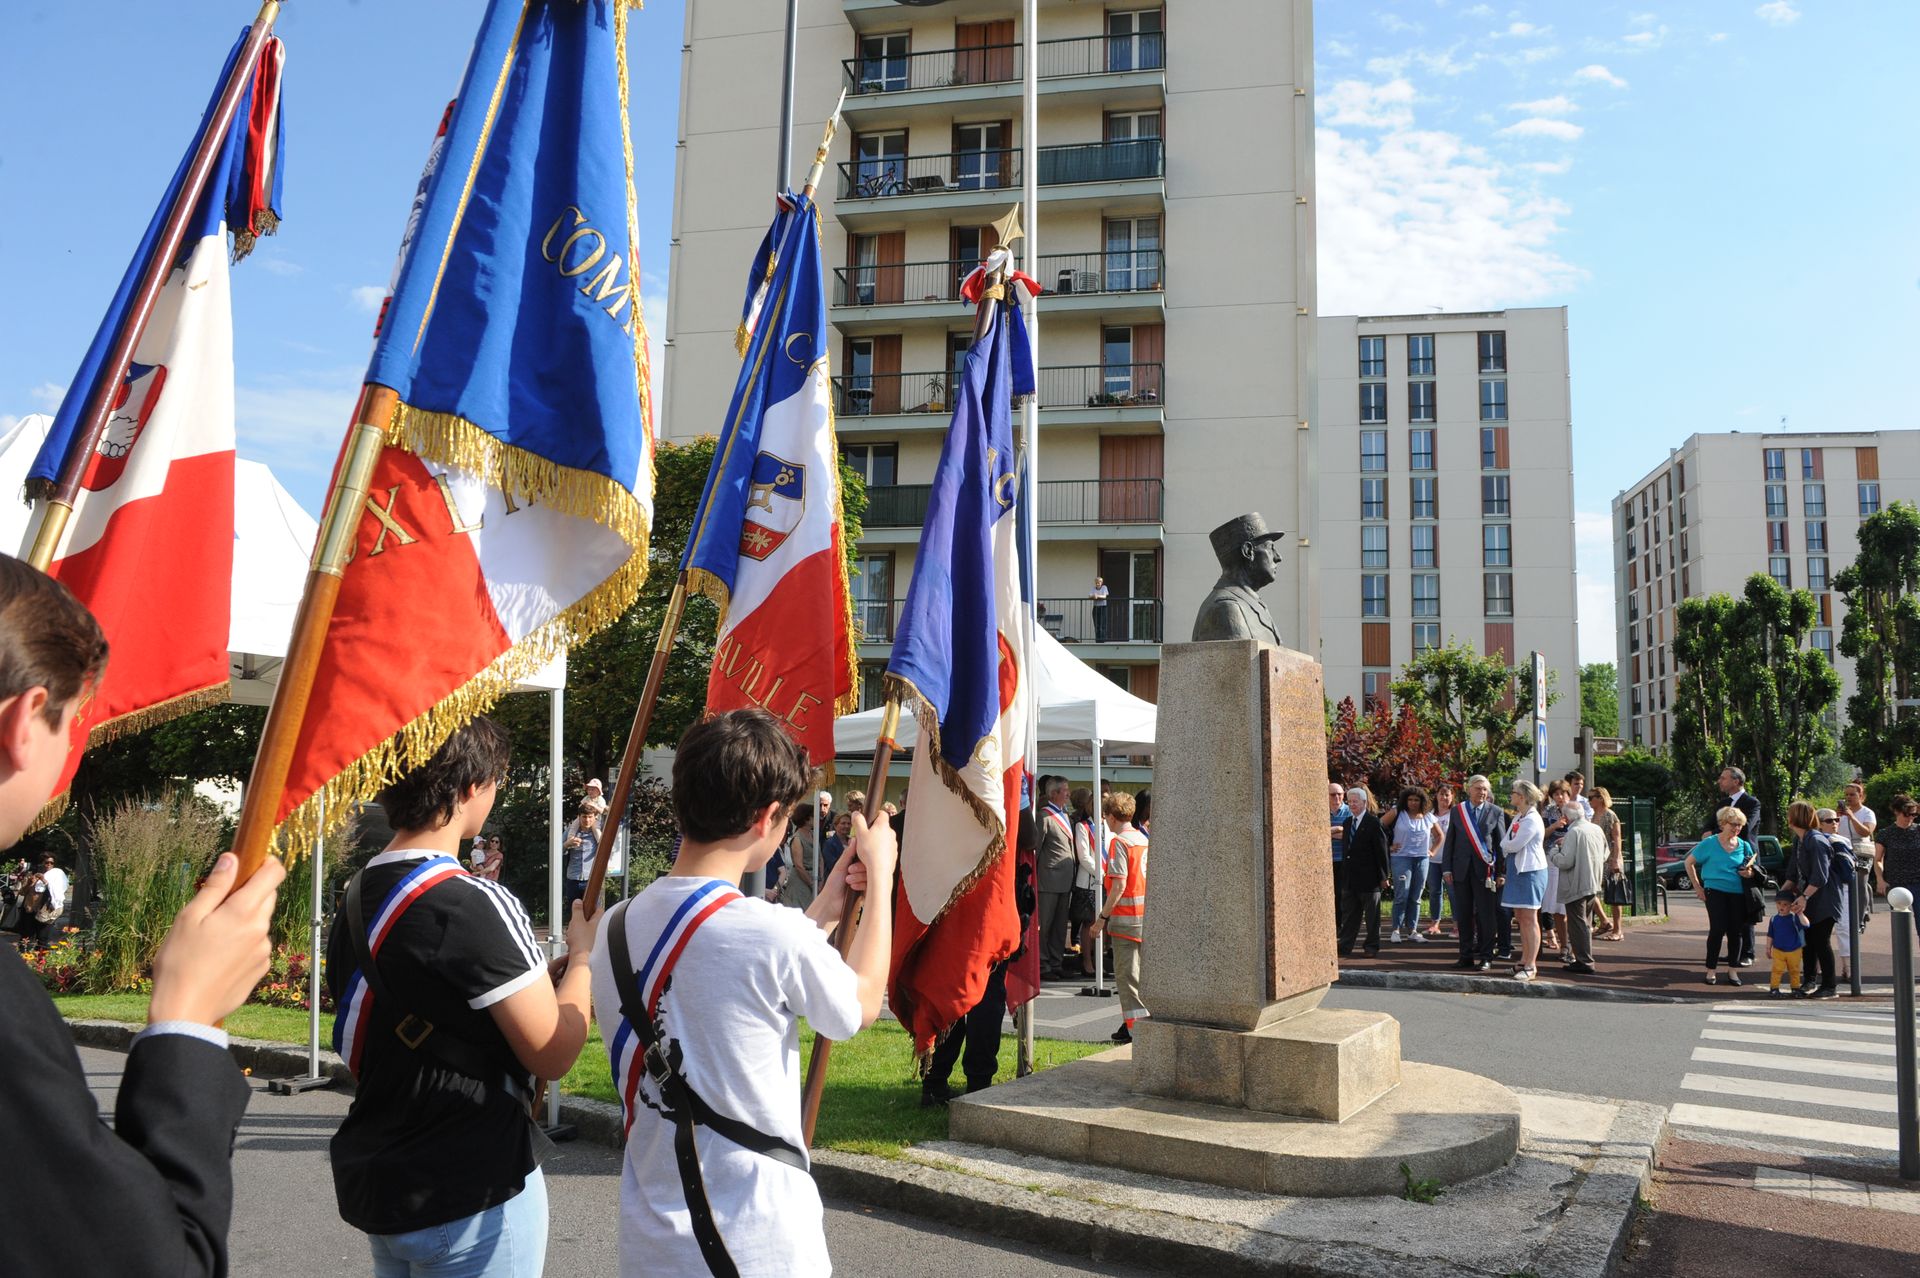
x=1723, y=194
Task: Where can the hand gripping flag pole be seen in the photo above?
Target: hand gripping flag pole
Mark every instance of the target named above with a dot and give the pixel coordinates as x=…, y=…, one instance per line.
x=64, y=492
x=682, y=587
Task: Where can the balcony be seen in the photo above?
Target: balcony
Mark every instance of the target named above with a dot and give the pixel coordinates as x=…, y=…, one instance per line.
x=1123, y=287
x=1110, y=395
x=986, y=71
x=1063, y=502
x=1071, y=621
x=889, y=187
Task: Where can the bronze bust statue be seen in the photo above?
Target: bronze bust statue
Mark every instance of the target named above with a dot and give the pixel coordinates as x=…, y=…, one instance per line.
x=1249, y=556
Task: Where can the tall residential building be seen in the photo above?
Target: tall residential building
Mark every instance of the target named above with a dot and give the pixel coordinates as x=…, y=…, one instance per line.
x=1723, y=507
x=1175, y=236
x=1446, y=509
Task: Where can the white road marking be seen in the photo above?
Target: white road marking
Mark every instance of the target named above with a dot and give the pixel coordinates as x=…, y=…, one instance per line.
x=1783, y=1126
x=1789, y=1040
x=1797, y=1022
x=1794, y=1064
x=1793, y=1093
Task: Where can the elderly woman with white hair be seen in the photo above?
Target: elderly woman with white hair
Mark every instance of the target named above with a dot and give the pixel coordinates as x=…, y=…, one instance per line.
x=1526, y=886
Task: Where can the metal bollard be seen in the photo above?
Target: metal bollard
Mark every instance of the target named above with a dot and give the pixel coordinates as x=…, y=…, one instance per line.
x=1900, y=901
x=1856, y=902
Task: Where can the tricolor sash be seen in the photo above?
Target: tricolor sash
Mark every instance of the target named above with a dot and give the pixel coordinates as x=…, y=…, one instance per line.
x=1472, y=827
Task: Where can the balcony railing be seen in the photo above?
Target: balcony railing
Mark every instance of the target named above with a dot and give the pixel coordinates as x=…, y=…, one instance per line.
x=1061, y=501
x=897, y=283
x=881, y=177
x=1004, y=63
x=1061, y=386
x=1068, y=620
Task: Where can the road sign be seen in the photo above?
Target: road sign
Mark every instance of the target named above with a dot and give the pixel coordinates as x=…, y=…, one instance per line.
x=1608, y=746
x=1539, y=745
x=1539, y=686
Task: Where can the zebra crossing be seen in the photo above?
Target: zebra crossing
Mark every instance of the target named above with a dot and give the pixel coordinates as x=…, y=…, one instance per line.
x=1812, y=1078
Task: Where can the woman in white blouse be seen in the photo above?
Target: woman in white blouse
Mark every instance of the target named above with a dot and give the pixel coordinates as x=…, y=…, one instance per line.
x=1526, y=887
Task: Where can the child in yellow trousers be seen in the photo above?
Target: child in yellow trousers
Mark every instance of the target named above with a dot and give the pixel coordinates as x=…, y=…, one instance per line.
x=1786, y=944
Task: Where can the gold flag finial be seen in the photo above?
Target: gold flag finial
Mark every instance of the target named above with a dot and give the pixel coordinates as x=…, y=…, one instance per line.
x=1008, y=227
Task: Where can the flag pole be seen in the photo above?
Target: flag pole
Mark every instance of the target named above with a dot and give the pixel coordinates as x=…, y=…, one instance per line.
x=346, y=503
x=883, y=748
x=57, y=507
x=663, y=646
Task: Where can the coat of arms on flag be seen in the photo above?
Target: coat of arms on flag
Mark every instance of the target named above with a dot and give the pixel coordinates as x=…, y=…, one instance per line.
x=776, y=501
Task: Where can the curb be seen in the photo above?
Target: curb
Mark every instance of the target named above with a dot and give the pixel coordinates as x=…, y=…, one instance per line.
x=1461, y=983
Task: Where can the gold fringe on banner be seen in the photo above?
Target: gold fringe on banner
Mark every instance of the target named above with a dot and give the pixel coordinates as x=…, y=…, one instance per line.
x=55, y=809
x=126, y=725
x=453, y=441
x=898, y=687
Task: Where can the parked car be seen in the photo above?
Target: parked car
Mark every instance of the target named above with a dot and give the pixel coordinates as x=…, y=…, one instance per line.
x=1670, y=860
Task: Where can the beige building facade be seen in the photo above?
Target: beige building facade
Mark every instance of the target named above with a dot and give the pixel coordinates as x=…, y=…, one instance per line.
x=1175, y=237
x=1722, y=507
x=1446, y=514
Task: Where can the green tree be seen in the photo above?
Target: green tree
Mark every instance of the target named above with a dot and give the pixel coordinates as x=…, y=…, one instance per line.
x=1752, y=693
x=1882, y=635
x=1474, y=706
x=1600, y=698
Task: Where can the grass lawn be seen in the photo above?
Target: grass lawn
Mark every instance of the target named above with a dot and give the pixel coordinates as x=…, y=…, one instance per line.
x=871, y=1106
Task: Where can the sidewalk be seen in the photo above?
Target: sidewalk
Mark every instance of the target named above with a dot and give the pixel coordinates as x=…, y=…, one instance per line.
x=1666, y=959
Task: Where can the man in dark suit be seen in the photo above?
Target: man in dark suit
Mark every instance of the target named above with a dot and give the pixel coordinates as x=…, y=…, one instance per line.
x=154, y=1193
x=1055, y=872
x=1473, y=883
x=1733, y=794
x=1366, y=871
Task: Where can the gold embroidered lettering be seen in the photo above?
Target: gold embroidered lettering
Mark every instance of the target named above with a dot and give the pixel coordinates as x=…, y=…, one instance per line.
x=460, y=524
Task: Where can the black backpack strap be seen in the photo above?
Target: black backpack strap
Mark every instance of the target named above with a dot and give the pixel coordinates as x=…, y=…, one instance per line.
x=415, y=1032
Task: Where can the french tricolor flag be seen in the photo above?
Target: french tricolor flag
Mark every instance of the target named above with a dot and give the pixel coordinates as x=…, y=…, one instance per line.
x=149, y=546
x=766, y=543
x=508, y=514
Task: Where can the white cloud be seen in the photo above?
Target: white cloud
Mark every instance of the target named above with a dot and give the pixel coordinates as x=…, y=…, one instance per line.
x=1480, y=11
x=1593, y=552
x=1540, y=127
x=368, y=297
x=1396, y=24
x=1642, y=41
x=1415, y=219
x=48, y=395
x=1523, y=30
x=1338, y=49
x=1552, y=168
x=1558, y=105
x=295, y=423
x=1716, y=37
x=1435, y=61
x=1777, y=13
x=272, y=263
x=1358, y=104
x=1596, y=72
x=1642, y=19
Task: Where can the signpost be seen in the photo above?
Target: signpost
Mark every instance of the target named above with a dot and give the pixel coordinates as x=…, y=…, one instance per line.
x=1539, y=719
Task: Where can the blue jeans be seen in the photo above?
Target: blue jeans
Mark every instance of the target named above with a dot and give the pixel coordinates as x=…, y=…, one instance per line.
x=1436, y=888
x=508, y=1241
x=1409, y=881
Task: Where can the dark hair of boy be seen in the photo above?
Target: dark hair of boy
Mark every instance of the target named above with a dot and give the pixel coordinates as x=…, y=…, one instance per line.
x=424, y=799
x=47, y=639
x=729, y=768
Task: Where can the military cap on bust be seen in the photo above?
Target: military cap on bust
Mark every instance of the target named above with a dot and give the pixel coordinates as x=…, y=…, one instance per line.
x=1236, y=532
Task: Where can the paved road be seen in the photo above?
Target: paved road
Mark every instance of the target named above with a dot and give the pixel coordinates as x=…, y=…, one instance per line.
x=285, y=1225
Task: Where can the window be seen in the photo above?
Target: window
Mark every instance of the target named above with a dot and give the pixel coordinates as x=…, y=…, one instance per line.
x=875, y=463
x=1493, y=401
x=1373, y=450
x=1373, y=499
x=1373, y=595
x=1426, y=549
x=1426, y=498
x=1426, y=637
x=1420, y=401
x=1116, y=360
x=1132, y=126
x=881, y=161
x=1777, y=536
x=1816, y=572
x=1134, y=40
x=1869, y=500
x=1494, y=490
x=1426, y=594
x=980, y=156
x=1817, y=536
x=1133, y=254
x=1814, y=498
x=1375, y=687
x=1373, y=402
x=872, y=584
x=1775, y=461
x=883, y=63
x=1780, y=568
x=1373, y=545
x=1821, y=641
x=1493, y=455
x=873, y=679
x=1373, y=357
x=1810, y=467
x=858, y=401
x=1496, y=545
x=1420, y=449
x=1493, y=352
x=1499, y=594
x=1420, y=355
x=1776, y=501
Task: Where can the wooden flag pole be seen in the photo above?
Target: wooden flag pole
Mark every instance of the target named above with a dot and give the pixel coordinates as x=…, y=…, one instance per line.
x=57, y=507
x=345, y=505
x=883, y=748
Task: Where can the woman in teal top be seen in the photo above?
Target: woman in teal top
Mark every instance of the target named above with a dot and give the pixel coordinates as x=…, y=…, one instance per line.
x=1720, y=868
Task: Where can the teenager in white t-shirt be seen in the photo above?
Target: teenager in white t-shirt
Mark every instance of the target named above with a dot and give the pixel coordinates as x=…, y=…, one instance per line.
x=732, y=1003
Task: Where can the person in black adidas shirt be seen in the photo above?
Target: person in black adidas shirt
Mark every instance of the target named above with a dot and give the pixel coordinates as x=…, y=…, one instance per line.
x=445, y=1028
